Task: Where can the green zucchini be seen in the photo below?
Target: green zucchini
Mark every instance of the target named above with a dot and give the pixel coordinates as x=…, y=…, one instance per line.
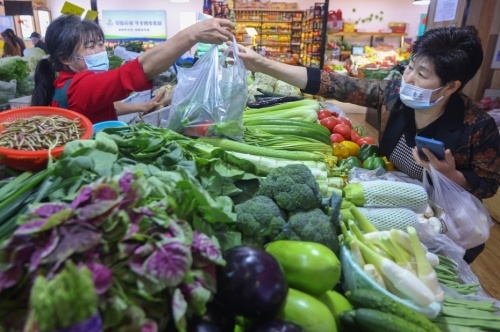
x=286, y=122
x=370, y=299
x=295, y=130
x=378, y=321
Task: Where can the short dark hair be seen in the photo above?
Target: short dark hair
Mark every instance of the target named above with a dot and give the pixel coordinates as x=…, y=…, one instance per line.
x=35, y=34
x=62, y=38
x=456, y=53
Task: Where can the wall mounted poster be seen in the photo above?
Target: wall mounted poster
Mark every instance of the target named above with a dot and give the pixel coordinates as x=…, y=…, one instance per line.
x=126, y=25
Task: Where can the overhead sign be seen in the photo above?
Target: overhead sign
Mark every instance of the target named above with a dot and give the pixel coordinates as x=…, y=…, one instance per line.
x=123, y=25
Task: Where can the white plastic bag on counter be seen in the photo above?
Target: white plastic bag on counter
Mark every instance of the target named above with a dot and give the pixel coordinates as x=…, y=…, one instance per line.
x=467, y=220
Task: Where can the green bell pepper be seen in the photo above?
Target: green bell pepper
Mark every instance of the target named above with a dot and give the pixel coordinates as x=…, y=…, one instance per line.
x=367, y=150
x=351, y=161
x=374, y=162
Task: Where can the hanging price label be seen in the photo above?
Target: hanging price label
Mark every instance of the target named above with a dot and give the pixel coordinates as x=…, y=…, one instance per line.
x=71, y=9
x=91, y=15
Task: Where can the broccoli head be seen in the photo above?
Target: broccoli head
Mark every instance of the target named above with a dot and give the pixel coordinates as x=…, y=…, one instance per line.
x=259, y=220
x=312, y=226
x=292, y=187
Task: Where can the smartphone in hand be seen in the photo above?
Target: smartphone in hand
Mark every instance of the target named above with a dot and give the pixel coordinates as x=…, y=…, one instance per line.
x=435, y=146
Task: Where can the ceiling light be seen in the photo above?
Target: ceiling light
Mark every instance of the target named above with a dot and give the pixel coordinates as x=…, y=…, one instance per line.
x=421, y=2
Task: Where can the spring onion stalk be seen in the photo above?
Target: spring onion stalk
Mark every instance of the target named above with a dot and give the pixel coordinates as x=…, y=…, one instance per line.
x=402, y=239
x=353, y=227
x=356, y=254
x=425, y=271
x=399, y=254
x=304, y=103
x=364, y=223
x=403, y=280
x=373, y=273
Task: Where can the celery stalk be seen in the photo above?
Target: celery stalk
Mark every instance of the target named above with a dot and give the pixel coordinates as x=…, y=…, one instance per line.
x=356, y=254
x=425, y=271
x=401, y=258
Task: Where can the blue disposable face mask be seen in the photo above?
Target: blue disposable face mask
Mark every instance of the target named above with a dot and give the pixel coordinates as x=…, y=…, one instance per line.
x=417, y=98
x=97, y=62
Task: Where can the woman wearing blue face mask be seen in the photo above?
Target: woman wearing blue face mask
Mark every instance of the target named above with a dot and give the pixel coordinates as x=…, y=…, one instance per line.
x=427, y=101
x=76, y=75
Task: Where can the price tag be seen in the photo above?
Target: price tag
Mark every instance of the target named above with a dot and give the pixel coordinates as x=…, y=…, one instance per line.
x=71, y=9
x=91, y=15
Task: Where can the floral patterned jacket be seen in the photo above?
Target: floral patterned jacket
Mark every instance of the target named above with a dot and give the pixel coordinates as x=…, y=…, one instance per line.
x=469, y=132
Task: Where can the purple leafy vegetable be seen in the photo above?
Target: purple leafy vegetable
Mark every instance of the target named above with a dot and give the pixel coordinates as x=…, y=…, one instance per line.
x=205, y=251
x=10, y=277
x=169, y=263
x=101, y=276
x=83, y=197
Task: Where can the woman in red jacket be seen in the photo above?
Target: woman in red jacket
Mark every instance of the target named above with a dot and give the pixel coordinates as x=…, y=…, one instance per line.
x=76, y=74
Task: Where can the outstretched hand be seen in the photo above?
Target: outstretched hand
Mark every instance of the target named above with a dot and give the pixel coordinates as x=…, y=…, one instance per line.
x=252, y=60
x=213, y=31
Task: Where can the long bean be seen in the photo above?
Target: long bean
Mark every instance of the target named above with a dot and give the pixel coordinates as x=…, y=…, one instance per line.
x=40, y=132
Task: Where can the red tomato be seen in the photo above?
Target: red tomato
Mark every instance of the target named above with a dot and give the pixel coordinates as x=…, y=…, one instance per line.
x=343, y=130
x=365, y=140
x=335, y=114
x=354, y=135
x=336, y=138
x=324, y=113
x=345, y=121
x=329, y=122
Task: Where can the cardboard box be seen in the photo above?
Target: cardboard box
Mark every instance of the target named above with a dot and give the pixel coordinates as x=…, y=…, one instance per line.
x=240, y=5
x=278, y=5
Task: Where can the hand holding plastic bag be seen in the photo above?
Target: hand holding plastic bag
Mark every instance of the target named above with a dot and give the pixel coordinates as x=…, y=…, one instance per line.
x=467, y=220
x=210, y=97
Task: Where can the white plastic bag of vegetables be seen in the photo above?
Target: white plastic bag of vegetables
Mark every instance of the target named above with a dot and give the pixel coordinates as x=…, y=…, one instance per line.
x=466, y=219
x=7, y=91
x=210, y=97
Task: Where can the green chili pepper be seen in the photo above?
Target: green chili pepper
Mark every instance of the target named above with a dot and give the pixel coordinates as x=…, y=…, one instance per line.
x=374, y=162
x=367, y=150
x=351, y=161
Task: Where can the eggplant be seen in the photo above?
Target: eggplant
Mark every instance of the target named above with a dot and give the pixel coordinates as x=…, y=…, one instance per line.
x=266, y=102
x=251, y=284
x=277, y=325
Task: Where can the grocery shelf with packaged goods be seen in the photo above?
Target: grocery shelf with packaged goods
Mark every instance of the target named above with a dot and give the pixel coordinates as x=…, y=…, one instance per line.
x=279, y=31
x=314, y=35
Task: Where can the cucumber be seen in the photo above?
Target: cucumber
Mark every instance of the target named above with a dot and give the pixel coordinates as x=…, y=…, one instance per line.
x=287, y=122
x=370, y=299
x=378, y=321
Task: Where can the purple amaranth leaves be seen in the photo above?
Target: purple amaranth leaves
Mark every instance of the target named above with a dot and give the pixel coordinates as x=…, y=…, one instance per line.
x=102, y=277
x=205, y=250
x=74, y=238
x=44, y=224
x=105, y=191
x=166, y=264
x=169, y=263
x=149, y=326
x=47, y=209
x=10, y=277
x=51, y=242
x=84, y=196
